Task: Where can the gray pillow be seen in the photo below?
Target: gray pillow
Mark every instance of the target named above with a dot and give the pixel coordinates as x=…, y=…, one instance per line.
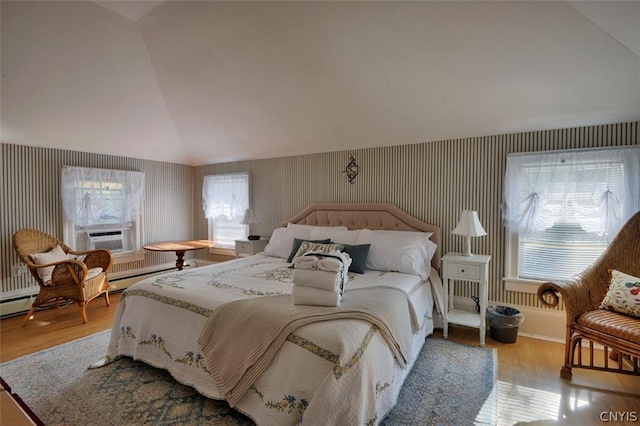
x=358, y=256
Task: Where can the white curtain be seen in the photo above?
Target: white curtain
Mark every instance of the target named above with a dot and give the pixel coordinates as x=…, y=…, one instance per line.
x=225, y=197
x=90, y=196
x=597, y=188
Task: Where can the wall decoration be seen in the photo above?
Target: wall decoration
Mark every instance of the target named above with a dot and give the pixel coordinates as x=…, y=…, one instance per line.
x=351, y=171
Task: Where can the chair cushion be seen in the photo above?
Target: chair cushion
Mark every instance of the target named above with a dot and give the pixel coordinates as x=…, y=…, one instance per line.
x=623, y=295
x=92, y=273
x=56, y=254
x=612, y=323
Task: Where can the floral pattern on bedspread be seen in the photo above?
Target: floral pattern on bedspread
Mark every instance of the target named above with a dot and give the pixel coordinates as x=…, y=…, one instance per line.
x=245, y=291
x=283, y=274
x=338, y=369
x=157, y=342
x=168, y=301
x=169, y=281
x=288, y=402
x=161, y=325
x=195, y=359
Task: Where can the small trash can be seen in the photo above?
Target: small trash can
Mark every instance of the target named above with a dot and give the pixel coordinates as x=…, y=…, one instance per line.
x=503, y=323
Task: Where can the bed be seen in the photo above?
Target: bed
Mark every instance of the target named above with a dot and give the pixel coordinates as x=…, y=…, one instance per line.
x=332, y=372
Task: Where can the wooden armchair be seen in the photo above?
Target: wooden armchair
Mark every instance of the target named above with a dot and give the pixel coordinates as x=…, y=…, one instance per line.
x=78, y=280
x=618, y=333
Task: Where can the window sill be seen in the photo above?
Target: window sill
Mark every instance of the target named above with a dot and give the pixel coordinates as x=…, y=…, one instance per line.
x=522, y=286
x=129, y=257
x=222, y=251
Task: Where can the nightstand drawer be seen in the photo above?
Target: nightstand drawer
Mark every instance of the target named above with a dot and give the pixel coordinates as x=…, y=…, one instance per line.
x=462, y=271
x=250, y=246
x=243, y=247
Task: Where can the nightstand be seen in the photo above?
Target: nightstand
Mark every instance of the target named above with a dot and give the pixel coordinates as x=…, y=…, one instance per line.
x=475, y=269
x=250, y=247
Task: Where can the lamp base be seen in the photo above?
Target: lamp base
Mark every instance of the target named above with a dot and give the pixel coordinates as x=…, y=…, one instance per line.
x=253, y=237
x=467, y=246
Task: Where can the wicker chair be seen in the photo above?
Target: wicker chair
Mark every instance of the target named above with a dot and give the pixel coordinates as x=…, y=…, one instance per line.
x=69, y=278
x=619, y=334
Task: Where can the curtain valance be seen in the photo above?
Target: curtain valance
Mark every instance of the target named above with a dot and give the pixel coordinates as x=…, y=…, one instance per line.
x=92, y=196
x=225, y=196
x=597, y=188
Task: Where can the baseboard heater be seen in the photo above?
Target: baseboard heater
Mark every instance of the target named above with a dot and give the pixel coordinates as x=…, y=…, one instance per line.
x=144, y=274
x=112, y=281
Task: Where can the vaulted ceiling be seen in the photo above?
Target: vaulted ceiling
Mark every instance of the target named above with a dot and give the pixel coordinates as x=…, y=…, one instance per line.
x=201, y=82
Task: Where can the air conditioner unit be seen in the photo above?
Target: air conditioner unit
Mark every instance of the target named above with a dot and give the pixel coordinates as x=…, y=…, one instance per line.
x=110, y=240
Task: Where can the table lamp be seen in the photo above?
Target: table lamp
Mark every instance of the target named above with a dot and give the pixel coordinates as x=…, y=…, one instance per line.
x=250, y=218
x=469, y=226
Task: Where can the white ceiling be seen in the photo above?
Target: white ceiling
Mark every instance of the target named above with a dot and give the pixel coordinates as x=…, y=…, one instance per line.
x=133, y=10
x=201, y=82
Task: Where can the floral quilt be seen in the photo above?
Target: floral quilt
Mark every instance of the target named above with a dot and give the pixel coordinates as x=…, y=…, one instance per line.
x=331, y=372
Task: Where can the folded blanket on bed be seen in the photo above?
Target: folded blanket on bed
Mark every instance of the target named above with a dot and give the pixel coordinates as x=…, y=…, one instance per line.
x=241, y=337
x=302, y=295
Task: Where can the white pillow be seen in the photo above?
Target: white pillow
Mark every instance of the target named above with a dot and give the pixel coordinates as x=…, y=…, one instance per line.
x=402, y=251
x=335, y=235
x=54, y=255
x=311, y=227
x=281, y=241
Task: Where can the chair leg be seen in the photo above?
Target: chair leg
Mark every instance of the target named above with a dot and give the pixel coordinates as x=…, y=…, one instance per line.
x=106, y=298
x=31, y=311
x=83, y=312
x=569, y=354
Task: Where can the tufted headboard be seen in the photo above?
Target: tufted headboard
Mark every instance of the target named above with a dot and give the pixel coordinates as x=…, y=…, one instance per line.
x=372, y=216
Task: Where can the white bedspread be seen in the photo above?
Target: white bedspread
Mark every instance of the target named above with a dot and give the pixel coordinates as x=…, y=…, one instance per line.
x=315, y=378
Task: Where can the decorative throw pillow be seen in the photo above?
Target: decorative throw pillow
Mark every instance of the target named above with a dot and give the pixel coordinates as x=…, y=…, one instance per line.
x=358, y=256
x=54, y=255
x=623, y=295
x=297, y=242
x=308, y=247
x=281, y=241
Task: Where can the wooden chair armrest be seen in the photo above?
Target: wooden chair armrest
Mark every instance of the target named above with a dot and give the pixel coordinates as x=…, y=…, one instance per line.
x=67, y=271
x=574, y=293
x=98, y=258
x=61, y=274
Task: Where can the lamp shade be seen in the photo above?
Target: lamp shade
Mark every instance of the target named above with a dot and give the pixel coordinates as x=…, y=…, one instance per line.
x=249, y=217
x=469, y=225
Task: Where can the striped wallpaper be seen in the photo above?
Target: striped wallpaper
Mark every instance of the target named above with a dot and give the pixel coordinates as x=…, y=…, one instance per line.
x=30, y=198
x=433, y=181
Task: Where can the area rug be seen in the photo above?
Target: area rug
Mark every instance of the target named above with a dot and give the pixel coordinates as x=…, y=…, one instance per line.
x=447, y=385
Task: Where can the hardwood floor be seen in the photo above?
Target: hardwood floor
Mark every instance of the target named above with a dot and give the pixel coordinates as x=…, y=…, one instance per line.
x=529, y=388
x=52, y=327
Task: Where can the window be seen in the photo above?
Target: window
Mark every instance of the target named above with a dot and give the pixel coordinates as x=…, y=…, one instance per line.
x=225, y=198
x=561, y=209
x=103, y=209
